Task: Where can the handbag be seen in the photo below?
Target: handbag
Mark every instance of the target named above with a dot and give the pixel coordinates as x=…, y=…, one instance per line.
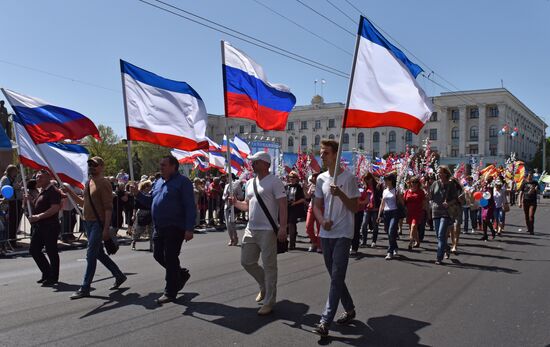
x=506, y=207
x=401, y=209
x=110, y=246
x=282, y=247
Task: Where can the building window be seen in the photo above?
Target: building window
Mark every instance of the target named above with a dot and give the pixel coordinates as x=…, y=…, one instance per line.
x=317, y=140
x=317, y=124
x=304, y=141
x=408, y=137
x=360, y=138
x=473, y=149
x=331, y=137
x=290, y=142
x=376, y=137
x=455, y=114
x=433, y=134
x=253, y=128
x=493, y=111
x=391, y=141
x=433, y=118
x=454, y=133
x=454, y=152
x=345, y=142
x=303, y=125
x=241, y=129
x=331, y=123
x=290, y=126
x=493, y=150
x=474, y=133
x=493, y=131
x=474, y=113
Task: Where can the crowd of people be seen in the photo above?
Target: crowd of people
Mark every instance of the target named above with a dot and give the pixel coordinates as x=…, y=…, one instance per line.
x=168, y=207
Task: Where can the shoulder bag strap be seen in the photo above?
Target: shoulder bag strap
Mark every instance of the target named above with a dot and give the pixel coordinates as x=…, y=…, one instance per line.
x=92, y=203
x=263, y=206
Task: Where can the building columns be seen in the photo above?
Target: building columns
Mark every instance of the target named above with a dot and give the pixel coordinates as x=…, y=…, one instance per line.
x=501, y=147
x=462, y=130
x=482, y=128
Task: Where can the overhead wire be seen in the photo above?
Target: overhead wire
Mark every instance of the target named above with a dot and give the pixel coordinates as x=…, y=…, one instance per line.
x=304, y=28
x=342, y=12
x=245, y=37
x=325, y=17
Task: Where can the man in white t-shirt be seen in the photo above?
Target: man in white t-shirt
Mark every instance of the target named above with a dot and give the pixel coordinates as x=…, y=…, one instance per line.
x=336, y=233
x=259, y=236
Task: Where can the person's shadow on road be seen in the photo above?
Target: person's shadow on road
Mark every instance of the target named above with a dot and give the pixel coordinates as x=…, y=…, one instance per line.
x=243, y=319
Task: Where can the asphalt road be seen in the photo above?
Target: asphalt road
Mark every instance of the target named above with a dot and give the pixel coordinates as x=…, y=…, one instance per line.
x=491, y=294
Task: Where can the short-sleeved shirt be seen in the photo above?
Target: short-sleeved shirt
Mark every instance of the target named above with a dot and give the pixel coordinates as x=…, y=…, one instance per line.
x=270, y=189
x=439, y=193
x=342, y=217
x=102, y=197
x=47, y=197
x=414, y=201
x=389, y=196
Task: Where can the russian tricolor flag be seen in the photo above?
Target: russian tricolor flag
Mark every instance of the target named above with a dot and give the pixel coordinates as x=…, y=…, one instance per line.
x=48, y=123
x=162, y=111
x=384, y=90
x=249, y=95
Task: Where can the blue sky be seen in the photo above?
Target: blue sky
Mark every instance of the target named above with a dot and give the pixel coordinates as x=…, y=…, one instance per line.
x=471, y=43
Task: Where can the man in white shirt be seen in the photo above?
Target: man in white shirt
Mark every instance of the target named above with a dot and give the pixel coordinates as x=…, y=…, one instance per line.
x=259, y=236
x=336, y=233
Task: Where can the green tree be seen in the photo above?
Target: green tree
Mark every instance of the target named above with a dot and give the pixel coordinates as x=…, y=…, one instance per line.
x=108, y=148
x=537, y=159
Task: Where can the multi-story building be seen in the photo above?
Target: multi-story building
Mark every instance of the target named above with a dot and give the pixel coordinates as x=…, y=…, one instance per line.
x=464, y=124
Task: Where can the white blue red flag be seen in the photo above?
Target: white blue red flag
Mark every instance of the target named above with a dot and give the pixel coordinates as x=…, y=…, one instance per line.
x=162, y=111
x=188, y=157
x=241, y=146
x=248, y=94
x=69, y=160
x=384, y=90
x=48, y=123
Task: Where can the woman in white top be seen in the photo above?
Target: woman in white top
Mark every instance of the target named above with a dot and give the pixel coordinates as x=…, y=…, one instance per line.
x=388, y=206
x=499, y=194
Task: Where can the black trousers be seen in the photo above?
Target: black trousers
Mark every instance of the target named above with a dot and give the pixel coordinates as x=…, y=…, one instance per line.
x=15, y=211
x=69, y=222
x=45, y=235
x=357, y=230
x=166, y=250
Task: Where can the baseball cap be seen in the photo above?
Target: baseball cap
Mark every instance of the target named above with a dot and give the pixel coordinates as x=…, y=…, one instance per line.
x=263, y=156
x=96, y=160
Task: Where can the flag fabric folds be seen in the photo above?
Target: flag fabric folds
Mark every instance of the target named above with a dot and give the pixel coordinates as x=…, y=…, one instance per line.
x=68, y=160
x=49, y=123
x=384, y=90
x=241, y=146
x=249, y=95
x=162, y=111
x=188, y=157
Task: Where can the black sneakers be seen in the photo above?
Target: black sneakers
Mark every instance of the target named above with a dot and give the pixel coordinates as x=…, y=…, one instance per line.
x=185, y=275
x=321, y=329
x=346, y=318
x=118, y=282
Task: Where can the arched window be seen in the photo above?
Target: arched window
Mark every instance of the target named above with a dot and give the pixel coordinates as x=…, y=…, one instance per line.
x=360, y=138
x=331, y=137
x=317, y=140
x=408, y=137
x=345, y=139
x=304, y=141
x=376, y=137
x=392, y=141
x=454, y=133
x=474, y=133
x=290, y=141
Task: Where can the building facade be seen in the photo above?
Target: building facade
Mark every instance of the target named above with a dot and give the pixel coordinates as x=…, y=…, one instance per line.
x=465, y=124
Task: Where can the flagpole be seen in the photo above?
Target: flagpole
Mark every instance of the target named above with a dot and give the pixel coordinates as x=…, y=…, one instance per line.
x=128, y=141
x=228, y=142
x=20, y=164
x=342, y=130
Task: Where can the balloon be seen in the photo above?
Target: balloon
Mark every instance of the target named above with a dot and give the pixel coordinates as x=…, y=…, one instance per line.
x=514, y=134
x=483, y=202
x=515, y=129
x=7, y=191
x=478, y=196
x=486, y=195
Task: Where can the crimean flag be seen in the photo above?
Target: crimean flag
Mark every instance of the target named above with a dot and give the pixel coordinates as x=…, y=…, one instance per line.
x=248, y=94
x=162, y=111
x=384, y=90
x=45, y=122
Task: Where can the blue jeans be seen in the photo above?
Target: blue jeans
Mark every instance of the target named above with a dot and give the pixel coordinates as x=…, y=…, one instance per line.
x=95, y=252
x=500, y=215
x=336, y=255
x=391, y=224
x=469, y=216
x=441, y=225
x=369, y=221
